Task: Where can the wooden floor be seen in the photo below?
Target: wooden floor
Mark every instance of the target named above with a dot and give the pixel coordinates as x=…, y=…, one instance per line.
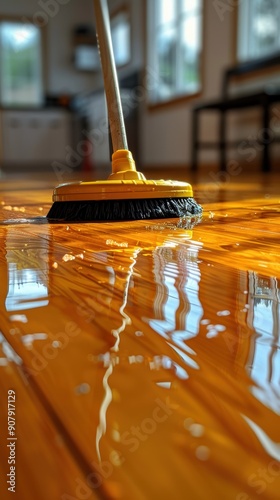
x=143, y=356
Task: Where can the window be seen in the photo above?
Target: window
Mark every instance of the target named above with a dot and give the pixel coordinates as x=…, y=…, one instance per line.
x=120, y=28
x=258, y=28
x=86, y=55
x=174, y=48
x=20, y=64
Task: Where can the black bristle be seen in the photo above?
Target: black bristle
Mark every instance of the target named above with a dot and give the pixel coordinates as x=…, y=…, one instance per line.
x=117, y=210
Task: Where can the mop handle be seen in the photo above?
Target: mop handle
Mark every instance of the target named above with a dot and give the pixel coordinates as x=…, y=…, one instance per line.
x=116, y=120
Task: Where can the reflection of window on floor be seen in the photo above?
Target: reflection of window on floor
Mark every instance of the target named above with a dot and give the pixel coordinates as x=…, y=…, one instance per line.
x=28, y=270
x=264, y=296
x=27, y=289
x=258, y=28
x=20, y=64
x=264, y=319
x=174, y=48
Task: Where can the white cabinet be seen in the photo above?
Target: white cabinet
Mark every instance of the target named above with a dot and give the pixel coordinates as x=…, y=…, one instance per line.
x=39, y=136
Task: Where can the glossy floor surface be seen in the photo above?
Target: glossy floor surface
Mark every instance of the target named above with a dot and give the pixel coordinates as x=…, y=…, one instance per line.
x=140, y=360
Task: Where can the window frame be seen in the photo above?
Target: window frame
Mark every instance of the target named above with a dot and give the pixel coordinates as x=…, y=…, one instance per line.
x=243, y=34
x=43, y=53
x=151, y=75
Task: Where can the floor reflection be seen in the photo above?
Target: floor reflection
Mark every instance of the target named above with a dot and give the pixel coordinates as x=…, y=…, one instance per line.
x=176, y=273
x=115, y=329
x=264, y=319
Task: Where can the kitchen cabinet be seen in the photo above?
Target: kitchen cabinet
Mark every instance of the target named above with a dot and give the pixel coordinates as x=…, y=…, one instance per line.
x=30, y=136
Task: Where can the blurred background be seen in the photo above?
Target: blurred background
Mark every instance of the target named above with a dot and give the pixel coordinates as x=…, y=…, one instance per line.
x=171, y=55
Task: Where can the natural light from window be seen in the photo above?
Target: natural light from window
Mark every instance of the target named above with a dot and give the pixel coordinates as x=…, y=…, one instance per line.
x=174, y=47
x=120, y=27
x=20, y=64
x=258, y=29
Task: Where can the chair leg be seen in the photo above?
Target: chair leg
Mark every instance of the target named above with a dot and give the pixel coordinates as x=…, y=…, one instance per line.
x=266, y=161
x=195, y=140
x=222, y=144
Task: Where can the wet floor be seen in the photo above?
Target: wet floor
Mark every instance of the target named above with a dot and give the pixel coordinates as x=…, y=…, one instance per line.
x=143, y=357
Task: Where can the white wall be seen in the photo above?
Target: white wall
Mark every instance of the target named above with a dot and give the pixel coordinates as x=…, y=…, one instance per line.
x=60, y=17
